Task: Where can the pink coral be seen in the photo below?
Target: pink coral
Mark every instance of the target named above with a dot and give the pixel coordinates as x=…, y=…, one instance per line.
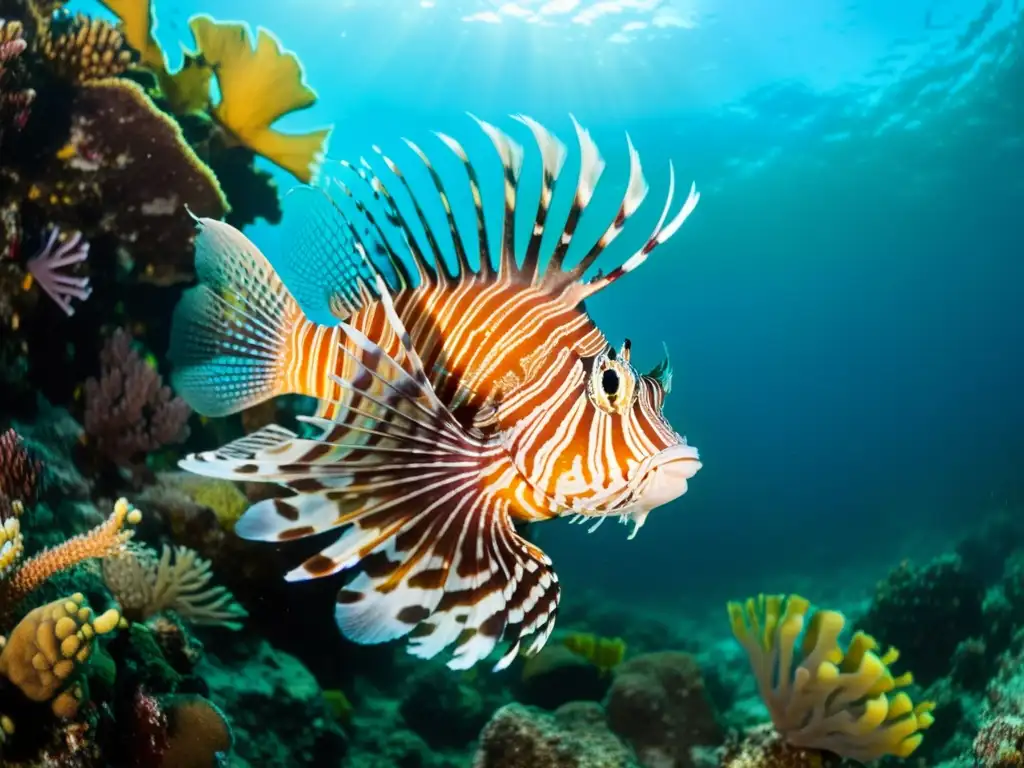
x=14, y=102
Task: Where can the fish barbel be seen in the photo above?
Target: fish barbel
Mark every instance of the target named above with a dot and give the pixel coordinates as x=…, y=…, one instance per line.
x=454, y=399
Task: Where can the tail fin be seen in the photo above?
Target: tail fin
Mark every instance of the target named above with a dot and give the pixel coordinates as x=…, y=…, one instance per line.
x=229, y=335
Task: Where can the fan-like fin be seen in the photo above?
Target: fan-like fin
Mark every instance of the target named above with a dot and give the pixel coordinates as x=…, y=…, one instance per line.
x=323, y=260
x=230, y=334
x=428, y=508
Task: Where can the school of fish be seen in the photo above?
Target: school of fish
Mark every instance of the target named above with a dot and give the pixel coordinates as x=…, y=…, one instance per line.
x=454, y=400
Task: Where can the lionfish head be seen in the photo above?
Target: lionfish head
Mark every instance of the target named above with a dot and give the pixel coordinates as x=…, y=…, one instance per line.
x=624, y=458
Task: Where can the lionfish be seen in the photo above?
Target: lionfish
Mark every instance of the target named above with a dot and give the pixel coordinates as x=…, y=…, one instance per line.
x=455, y=401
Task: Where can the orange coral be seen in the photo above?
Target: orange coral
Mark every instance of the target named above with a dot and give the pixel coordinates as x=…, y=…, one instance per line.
x=105, y=539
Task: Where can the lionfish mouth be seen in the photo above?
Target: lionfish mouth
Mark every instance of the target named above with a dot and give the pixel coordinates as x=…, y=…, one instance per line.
x=656, y=481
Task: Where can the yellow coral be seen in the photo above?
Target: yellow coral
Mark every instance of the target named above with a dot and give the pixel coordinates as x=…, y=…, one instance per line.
x=822, y=697
x=48, y=645
x=11, y=542
x=257, y=88
x=106, y=538
x=605, y=653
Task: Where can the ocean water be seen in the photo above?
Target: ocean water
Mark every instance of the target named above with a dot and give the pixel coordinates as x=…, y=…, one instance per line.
x=843, y=310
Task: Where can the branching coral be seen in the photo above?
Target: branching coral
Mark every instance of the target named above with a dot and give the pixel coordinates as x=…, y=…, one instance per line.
x=145, y=586
x=83, y=49
x=105, y=539
x=128, y=410
x=820, y=696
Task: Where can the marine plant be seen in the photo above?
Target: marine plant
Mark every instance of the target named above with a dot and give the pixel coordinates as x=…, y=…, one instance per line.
x=820, y=695
x=258, y=85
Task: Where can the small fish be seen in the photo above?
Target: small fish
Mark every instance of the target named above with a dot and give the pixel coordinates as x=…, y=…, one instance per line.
x=455, y=399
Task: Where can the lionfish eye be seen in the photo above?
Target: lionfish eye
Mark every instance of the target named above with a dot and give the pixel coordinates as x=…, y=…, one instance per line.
x=610, y=382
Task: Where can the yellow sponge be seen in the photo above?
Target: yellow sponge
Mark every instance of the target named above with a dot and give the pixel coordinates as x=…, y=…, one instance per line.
x=48, y=645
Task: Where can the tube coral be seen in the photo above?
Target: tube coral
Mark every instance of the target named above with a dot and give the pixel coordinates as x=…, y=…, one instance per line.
x=820, y=696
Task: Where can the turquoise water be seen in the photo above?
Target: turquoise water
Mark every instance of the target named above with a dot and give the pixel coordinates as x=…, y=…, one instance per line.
x=843, y=309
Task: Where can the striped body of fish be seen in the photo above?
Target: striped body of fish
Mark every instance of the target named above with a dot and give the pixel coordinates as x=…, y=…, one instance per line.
x=454, y=400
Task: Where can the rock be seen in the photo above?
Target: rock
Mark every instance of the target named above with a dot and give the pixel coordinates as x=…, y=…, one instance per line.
x=276, y=708
x=574, y=736
x=658, y=704
x=556, y=676
x=443, y=708
x=1000, y=743
x=763, y=748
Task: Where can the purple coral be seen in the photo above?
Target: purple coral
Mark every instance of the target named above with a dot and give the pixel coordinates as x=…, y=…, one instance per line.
x=46, y=268
x=128, y=410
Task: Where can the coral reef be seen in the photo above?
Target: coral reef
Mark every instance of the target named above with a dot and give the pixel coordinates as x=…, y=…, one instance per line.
x=14, y=99
x=23, y=578
x=263, y=686
x=766, y=748
x=46, y=648
x=909, y=599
